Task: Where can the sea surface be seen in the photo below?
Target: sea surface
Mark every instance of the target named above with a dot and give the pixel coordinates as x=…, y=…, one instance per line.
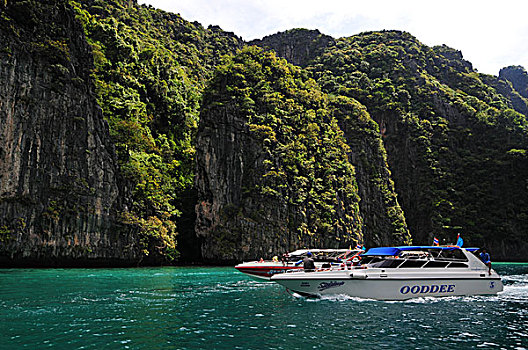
x=220, y=308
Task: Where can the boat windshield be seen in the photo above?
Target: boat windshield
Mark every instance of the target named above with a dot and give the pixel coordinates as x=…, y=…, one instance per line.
x=383, y=262
x=427, y=258
x=322, y=254
x=451, y=255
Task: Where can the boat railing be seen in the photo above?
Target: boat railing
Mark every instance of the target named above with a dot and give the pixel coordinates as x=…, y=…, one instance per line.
x=395, y=263
x=342, y=267
x=425, y=262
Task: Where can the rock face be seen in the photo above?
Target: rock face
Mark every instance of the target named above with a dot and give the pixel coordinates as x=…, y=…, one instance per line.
x=272, y=168
x=505, y=88
x=298, y=46
x=518, y=76
x=455, y=140
x=389, y=136
x=59, y=192
x=383, y=218
x=235, y=223
x=228, y=160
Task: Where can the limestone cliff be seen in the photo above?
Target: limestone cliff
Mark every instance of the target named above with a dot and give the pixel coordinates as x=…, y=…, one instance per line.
x=518, y=76
x=59, y=184
x=232, y=224
x=382, y=215
x=273, y=173
x=298, y=46
x=383, y=218
x=455, y=139
x=376, y=138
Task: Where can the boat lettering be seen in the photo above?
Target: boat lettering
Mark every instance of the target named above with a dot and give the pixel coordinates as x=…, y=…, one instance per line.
x=433, y=288
x=327, y=285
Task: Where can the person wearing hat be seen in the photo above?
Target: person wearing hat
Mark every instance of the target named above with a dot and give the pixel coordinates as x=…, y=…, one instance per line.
x=485, y=257
x=308, y=262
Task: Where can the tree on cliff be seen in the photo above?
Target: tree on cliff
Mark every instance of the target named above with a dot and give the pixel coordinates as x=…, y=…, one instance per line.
x=449, y=136
x=282, y=164
x=150, y=69
x=376, y=137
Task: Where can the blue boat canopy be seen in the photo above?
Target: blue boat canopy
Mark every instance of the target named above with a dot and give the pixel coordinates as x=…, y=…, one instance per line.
x=384, y=251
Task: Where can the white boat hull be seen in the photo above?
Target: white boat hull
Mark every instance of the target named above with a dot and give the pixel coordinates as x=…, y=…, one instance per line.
x=372, y=284
x=263, y=271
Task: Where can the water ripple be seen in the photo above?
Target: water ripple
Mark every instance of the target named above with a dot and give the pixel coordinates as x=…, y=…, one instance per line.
x=194, y=308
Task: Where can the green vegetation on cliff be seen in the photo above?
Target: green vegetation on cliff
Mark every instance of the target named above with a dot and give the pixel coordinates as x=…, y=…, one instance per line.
x=518, y=76
x=383, y=217
x=150, y=70
x=376, y=139
x=450, y=137
x=298, y=46
x=59, y=181
x=301, y=153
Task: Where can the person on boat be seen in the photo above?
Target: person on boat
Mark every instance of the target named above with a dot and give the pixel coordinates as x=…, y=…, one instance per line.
x=485, y=257
x=284, y=259
x=308, y=262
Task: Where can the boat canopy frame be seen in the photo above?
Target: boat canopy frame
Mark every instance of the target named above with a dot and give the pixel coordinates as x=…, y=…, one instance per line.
x=393, y=251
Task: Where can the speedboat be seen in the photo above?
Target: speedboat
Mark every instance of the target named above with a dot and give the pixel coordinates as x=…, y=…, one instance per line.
x=323, y=258
x=400, y=273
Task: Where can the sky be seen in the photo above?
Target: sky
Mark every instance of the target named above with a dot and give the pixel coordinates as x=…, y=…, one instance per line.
x=491, y=34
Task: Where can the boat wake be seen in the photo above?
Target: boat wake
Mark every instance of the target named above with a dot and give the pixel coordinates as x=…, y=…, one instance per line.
x=517, y=293
x=515, y=279
x=331, y=297
x=515, y=288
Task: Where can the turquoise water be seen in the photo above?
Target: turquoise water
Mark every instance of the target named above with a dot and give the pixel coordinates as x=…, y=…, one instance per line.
x=219, y=308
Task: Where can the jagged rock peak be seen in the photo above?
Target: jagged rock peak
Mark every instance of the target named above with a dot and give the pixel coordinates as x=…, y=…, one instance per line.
x=518, y=76
x=454, y=58
x=299, y=46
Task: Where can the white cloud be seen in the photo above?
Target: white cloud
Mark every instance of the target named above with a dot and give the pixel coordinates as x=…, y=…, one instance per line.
x=490, y=34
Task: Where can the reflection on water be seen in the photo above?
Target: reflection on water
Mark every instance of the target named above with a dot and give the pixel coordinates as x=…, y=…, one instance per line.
x=219, y=308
